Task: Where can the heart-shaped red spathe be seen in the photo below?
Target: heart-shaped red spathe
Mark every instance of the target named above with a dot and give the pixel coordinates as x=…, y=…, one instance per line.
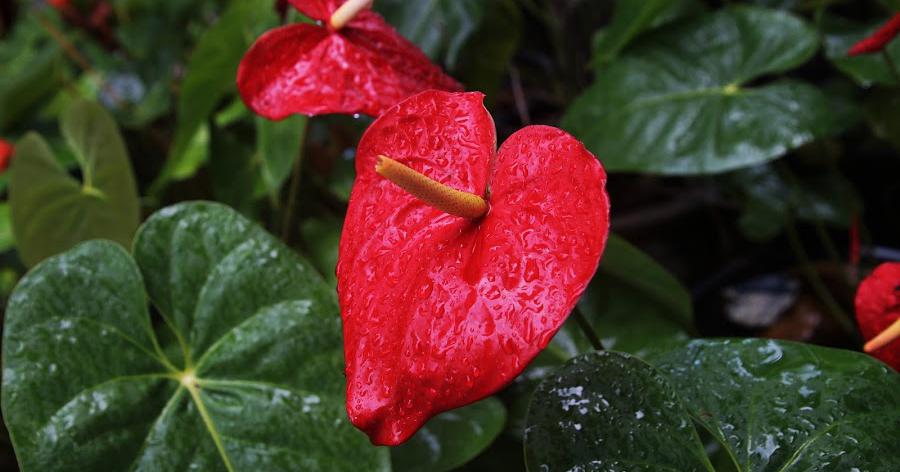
x=365, y=67
x=878, y=307
x=441, y=311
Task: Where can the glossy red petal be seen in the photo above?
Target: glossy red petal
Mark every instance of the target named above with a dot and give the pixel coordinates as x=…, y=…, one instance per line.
x=317, y=9
x=879, y=39
x=365, y=68
x=878, y=307
x=441, y=311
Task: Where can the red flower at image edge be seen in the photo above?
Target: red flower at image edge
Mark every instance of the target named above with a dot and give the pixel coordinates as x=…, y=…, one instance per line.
x=878, y=313
x=879, y=39
x=439, y=310
x=363, y=67
x=6, y=152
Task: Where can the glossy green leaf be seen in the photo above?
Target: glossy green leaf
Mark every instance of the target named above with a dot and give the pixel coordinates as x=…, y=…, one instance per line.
x=782, y=406
x=773, y=406
x=611, y=412
x=679, y=100
x=258, y=384
x=210, y=76
x=632, y=303
x=633, y=17
x=51, y=210
x=867, y=69
x=451, y=439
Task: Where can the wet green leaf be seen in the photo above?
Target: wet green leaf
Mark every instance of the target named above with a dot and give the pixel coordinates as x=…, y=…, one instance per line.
x=87, y=387
x=679, y=101
x=51, y=210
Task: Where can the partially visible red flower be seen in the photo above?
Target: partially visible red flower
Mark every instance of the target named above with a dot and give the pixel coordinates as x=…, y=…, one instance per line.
x=879, y=39
x=878, y=313
x=6, y=153
x=363, y=66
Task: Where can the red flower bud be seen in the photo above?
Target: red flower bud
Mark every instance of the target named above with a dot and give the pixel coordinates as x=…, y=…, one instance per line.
x=878, y=313
x=879, y=39
x=444, y=304
x=6, y=153
x=361, y=66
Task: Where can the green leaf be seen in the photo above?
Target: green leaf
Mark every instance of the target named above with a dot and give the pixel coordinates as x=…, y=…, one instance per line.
x=782, y=406
x=439, y=27
x=210, y=76
x=322, y=237
x=867, y=69
x=772, y=405
x=632, y=303
x=52, y=211
x=279, y=145
x=32, y=70
x=258, y=385
x=451, y=439
x=490, y=49
x=633, y=17
x=677, y=102
x=7, y=240
x=612, y=412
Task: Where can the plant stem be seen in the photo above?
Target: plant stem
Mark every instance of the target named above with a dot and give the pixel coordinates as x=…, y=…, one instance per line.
x=815, y=282
x=587, y=329
x=892, y=66
x=288, y=220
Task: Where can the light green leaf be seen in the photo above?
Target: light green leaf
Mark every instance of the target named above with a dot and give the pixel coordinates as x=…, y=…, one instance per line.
x=678, y=100
x=632, y=303
x=782, y=406
x=52, y=211
x=258, y=384
x=611, y=412
x=451, y=439
x=210, y=75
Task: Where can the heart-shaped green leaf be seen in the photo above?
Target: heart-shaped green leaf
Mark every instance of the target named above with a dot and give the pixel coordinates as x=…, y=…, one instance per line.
x=611, y=412
x=633, y=304
x=772, y=406
x=451, y=439
x=678, y=102
x=255, y=383
x=51, y=210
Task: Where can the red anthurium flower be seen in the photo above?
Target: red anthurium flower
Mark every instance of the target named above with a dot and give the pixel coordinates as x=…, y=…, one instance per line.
x=878, y=313
x=6, y=152
x=879, y=39
x=356, y=63
x=458, y=262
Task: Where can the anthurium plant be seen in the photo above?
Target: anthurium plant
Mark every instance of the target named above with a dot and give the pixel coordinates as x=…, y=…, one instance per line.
x=375, y=235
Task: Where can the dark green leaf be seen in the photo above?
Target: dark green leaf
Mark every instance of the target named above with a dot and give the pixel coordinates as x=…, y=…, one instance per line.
x=782, y=406
x=632, y=303
x=633, y=17
x=87, y=387
x=611, y=412
x=278, y=145
x=451, y=439
x=677, y=102
x=52, y=211
x=322, y=237
x=883, y=112
x=489, y=50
